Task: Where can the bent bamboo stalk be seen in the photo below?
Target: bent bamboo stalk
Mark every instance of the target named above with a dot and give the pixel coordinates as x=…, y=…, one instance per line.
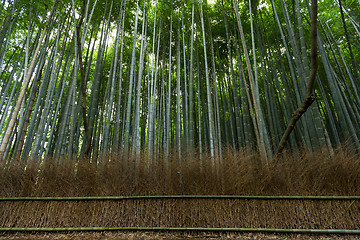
x=198, y=229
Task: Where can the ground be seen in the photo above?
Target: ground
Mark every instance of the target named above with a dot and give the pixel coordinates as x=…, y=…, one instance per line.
x=167, y=235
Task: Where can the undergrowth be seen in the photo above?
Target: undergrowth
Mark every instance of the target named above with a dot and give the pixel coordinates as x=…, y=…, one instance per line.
x=238, y=173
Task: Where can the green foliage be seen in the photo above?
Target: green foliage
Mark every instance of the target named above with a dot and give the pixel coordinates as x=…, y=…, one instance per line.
x=281, y=50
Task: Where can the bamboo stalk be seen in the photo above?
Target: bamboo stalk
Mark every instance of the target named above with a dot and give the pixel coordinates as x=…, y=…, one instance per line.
x=198, y=229
x=310, y=96
x=112, y=198
x=15, y=113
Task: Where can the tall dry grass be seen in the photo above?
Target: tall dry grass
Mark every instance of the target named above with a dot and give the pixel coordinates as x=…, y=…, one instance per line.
x=303, y=173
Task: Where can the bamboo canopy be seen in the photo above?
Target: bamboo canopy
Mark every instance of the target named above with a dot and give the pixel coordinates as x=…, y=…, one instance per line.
x=145, y=77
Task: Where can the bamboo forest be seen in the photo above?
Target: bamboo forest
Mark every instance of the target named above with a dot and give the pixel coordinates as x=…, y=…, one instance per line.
x=158, y=77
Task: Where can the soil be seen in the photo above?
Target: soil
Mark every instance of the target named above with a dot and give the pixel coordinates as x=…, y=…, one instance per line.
x=168, y=235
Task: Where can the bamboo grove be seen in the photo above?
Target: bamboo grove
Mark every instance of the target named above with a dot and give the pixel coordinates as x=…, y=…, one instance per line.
x=88, y=77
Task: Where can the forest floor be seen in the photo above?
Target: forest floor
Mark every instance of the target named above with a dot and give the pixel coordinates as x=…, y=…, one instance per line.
x=167, y=235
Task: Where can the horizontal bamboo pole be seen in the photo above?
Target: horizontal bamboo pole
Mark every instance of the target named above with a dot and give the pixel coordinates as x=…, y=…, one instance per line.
x=180, y=197
x=198, y=229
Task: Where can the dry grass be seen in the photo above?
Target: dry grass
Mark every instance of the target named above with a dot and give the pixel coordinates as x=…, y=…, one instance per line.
x=243, y=174
x=240, y=174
